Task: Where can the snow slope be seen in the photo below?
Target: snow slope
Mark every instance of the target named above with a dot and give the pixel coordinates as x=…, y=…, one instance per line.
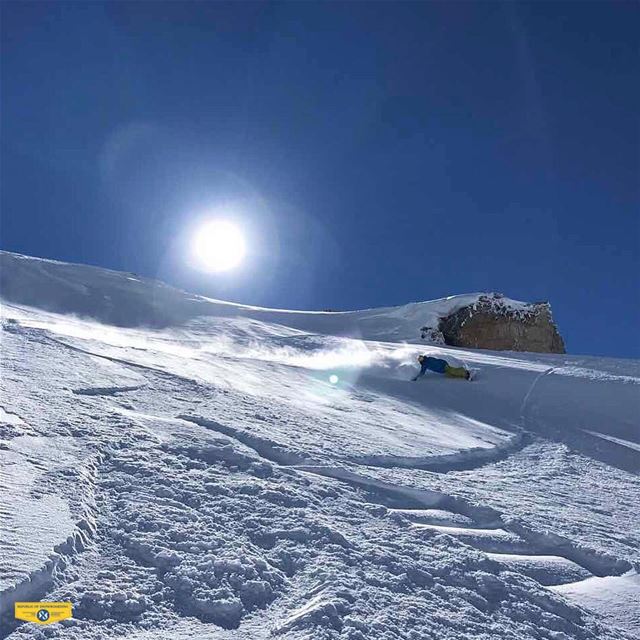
x=128, y=300
x=181, y=467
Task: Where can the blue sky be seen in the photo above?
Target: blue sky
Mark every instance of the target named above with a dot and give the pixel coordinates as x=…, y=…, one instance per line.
x=376, y=153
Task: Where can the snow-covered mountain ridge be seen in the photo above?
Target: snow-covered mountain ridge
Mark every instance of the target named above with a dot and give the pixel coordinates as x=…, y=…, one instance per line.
x=179, y=467
x=129, y=300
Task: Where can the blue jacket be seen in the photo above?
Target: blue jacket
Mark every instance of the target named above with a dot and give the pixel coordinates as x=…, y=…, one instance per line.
x=437, y=365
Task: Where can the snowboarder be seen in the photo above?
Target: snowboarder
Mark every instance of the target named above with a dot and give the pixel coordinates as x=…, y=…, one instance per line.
x=438, y=365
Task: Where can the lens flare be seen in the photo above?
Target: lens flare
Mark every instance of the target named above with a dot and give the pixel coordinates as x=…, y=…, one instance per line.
x=333, y=378
x=218, y=245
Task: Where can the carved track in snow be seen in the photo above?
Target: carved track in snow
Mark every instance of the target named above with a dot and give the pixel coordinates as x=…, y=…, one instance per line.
x=467, y=459
x=549, y=558
x=463, y=460
x=105, y=391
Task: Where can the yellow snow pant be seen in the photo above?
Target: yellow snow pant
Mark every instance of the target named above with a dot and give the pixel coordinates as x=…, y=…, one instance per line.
x=455, y=372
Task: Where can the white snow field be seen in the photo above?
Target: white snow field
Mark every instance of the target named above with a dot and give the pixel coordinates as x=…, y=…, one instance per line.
x=179, y=467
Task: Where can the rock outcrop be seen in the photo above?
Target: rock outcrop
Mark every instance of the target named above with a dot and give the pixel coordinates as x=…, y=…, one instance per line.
x=493, y=322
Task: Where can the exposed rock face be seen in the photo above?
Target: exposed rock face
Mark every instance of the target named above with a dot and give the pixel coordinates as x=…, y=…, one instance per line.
x=491, y=323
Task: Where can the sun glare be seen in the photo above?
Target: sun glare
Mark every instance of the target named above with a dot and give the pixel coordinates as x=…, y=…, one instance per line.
x=218, y=245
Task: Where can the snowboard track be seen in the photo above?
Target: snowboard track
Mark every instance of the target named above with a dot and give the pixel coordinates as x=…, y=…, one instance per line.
x=105, y=391
x=459, y=461
x=540, y=542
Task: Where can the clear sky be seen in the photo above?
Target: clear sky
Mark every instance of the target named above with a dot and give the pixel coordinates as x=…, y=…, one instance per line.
x=376, y=153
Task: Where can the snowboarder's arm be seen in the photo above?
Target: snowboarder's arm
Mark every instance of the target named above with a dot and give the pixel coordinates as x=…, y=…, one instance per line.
x=423, y=370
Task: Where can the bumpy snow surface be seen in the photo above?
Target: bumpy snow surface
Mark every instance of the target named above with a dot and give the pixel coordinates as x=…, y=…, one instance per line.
x=179, y=467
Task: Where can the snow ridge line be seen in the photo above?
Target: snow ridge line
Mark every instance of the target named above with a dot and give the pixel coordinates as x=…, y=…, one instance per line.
x=597, y=563
x=105, y=391
x=459, y=461
x=263, y=447
x=463, y=460
x=428, y=498
x=123, y=361
x=38, y=582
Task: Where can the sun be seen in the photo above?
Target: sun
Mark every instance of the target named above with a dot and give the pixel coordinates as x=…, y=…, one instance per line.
x=218, y=245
